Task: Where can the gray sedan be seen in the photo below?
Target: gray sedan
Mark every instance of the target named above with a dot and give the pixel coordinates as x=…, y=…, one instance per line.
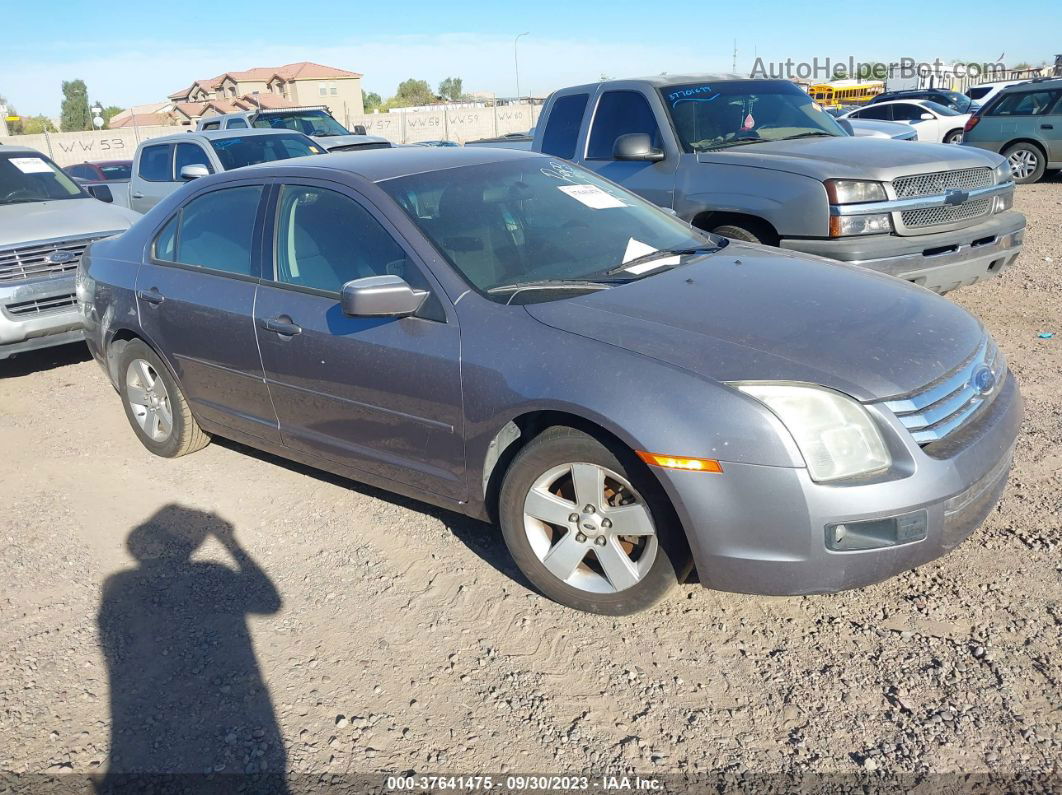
x=517, y=339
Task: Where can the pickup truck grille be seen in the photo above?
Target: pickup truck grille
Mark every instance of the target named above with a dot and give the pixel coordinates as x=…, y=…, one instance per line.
x=42, y=306
x=36, y=260
x=938, y=182
x=943, y=407
x=948, y=214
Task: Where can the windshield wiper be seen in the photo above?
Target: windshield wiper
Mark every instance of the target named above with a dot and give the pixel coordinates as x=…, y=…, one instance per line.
x=550, y=284
x=808, y=135
x=652, y=255
x=729, y=144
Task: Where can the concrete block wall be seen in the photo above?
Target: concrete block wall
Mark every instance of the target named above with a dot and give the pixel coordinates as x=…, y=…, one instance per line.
x=460, y=125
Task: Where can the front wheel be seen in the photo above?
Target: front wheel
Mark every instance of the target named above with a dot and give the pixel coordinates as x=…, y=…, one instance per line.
x=1027, y=162
x=589, y=527
x=954, y=137
x=154, y=404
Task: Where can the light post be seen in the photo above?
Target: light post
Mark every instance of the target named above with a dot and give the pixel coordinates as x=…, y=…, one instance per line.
x=97, y=116
x=516, y=61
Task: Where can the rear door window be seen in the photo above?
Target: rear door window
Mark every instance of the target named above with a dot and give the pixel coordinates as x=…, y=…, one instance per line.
x=562, y=126
x=216, y=231
x=619, y=113
x=155, y=163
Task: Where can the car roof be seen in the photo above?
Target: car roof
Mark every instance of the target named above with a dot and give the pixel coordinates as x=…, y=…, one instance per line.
x=1039, y=83
x=213, y=135
x=911, y=101
x=377, y=165
x=107, y=162
x=919, y=91
x=10, y=149
x=659, y=81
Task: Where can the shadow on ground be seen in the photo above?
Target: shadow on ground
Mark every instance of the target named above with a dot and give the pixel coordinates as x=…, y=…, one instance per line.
x=186, y=693
x=22, y=364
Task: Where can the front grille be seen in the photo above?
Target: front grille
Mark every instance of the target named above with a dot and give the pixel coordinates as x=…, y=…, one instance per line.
x=947, y=214
x=31, y=262
x=41, y=306
x=946, y=405
x=938, y=182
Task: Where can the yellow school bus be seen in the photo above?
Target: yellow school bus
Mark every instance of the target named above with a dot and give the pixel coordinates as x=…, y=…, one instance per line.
x=845, y=92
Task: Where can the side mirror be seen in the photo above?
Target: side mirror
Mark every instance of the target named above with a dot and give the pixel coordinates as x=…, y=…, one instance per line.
x=358, y=129
x=635, y=146
x=927, y=117
x=846, y=126
x=101, y=192
x=194, y=171
x=380, y=296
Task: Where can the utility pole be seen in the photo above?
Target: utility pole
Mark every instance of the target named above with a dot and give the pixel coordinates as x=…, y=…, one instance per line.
x=733, y=63
x=516, y=61
x=3, y=119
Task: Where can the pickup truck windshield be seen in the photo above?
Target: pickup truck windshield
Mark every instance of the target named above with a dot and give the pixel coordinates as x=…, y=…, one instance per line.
x=547, y=222
x=308, y=122
x=29, y=177
x=250, y=149
x=709, y=116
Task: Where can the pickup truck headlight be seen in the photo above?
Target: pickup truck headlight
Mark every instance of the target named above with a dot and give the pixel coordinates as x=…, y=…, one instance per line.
x=854, y=191
x=834, y=433
x=1003, y=172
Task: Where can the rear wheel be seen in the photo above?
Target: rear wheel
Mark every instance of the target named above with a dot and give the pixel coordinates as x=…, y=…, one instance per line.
x=590, y=528
x=155, y=406
x=954, y=137
x=1027, y=162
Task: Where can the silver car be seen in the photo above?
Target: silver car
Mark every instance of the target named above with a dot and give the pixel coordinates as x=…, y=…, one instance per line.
x=520, y=340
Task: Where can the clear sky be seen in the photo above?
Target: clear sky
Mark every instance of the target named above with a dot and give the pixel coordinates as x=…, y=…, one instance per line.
x=135, y=52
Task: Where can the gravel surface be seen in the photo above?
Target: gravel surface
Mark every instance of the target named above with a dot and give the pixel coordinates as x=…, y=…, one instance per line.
x=258, y=615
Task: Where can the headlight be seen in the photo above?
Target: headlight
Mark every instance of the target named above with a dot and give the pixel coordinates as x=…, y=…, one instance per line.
x=836, y=435
x=842, y=225
x=854, y=191
x=1003, y=172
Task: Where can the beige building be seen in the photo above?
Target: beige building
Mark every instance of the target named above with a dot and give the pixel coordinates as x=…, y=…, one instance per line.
x=295, y=84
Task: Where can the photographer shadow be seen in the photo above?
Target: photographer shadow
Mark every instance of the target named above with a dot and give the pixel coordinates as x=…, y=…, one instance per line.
x=188, y=701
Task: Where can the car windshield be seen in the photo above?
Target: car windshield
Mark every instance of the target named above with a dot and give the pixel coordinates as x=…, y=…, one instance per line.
x=31, y=177
x=940, y=110
x=308, y=122
x=960, y=102
x=710, y=116
x=542, y=222
x=117, y=170
x=246, y=150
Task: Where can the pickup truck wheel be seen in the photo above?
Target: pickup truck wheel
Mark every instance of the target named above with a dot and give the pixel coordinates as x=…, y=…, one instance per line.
x=590, y=528
x=954, y=137
x=155, y=406
x=1027, y=162
x=735, y=232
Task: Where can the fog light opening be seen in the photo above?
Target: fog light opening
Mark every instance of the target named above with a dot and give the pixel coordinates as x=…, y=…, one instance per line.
x=877, y=533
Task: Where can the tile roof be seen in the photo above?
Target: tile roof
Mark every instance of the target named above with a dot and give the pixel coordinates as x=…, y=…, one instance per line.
x=300, y=70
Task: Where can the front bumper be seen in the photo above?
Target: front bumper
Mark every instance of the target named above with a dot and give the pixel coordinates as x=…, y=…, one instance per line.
x=38, y=314
x=940, y=262
x=763, y=530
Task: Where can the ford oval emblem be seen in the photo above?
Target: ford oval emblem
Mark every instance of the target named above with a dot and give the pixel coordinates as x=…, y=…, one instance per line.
x=60, y=257
x=983, y=380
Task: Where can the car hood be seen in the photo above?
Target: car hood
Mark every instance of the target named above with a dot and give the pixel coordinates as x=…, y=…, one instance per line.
x=27, y=223
x=749, y=312
x=852, y=157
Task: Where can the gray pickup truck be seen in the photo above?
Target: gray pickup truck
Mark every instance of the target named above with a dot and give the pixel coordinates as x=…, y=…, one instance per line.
x=758, y=160
x=316, y=122
x=46, y=221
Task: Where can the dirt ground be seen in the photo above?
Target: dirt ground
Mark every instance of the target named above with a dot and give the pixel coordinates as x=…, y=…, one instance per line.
x=318, y=624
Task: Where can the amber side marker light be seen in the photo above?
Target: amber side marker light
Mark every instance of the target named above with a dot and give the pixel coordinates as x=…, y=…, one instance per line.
x=679, y=462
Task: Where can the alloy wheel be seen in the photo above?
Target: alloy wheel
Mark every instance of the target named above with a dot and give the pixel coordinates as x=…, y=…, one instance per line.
x=1023, y=163
x=590, y=528
x=149, y=400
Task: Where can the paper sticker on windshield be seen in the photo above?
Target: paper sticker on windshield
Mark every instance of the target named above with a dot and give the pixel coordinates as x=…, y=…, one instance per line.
x=592, y=196
x=636, y=248
x=30, y=165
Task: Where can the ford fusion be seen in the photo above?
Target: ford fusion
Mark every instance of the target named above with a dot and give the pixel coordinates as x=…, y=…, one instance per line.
x=517, y=339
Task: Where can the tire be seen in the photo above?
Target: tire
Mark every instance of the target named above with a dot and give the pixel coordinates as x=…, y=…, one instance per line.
x=954, y=137
x=160, y=418
x=641, y=567
x=735, y=232
x=1027, y=162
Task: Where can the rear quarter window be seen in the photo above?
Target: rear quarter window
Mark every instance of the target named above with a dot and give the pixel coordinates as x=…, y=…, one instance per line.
x=562, y=125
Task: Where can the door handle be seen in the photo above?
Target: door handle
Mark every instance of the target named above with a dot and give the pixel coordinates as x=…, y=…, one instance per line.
x=283, y=327
x=152, y=296
x=138, y=195
x=1047, y=126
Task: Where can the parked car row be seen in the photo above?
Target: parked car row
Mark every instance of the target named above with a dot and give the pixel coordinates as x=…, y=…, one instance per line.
x=667, y=336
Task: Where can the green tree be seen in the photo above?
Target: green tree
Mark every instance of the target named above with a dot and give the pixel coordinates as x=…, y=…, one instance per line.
x=34, y=125
x=451, y=89
x=75, y=113
x=411, y=92
x=109, y=113
x=371, y=100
